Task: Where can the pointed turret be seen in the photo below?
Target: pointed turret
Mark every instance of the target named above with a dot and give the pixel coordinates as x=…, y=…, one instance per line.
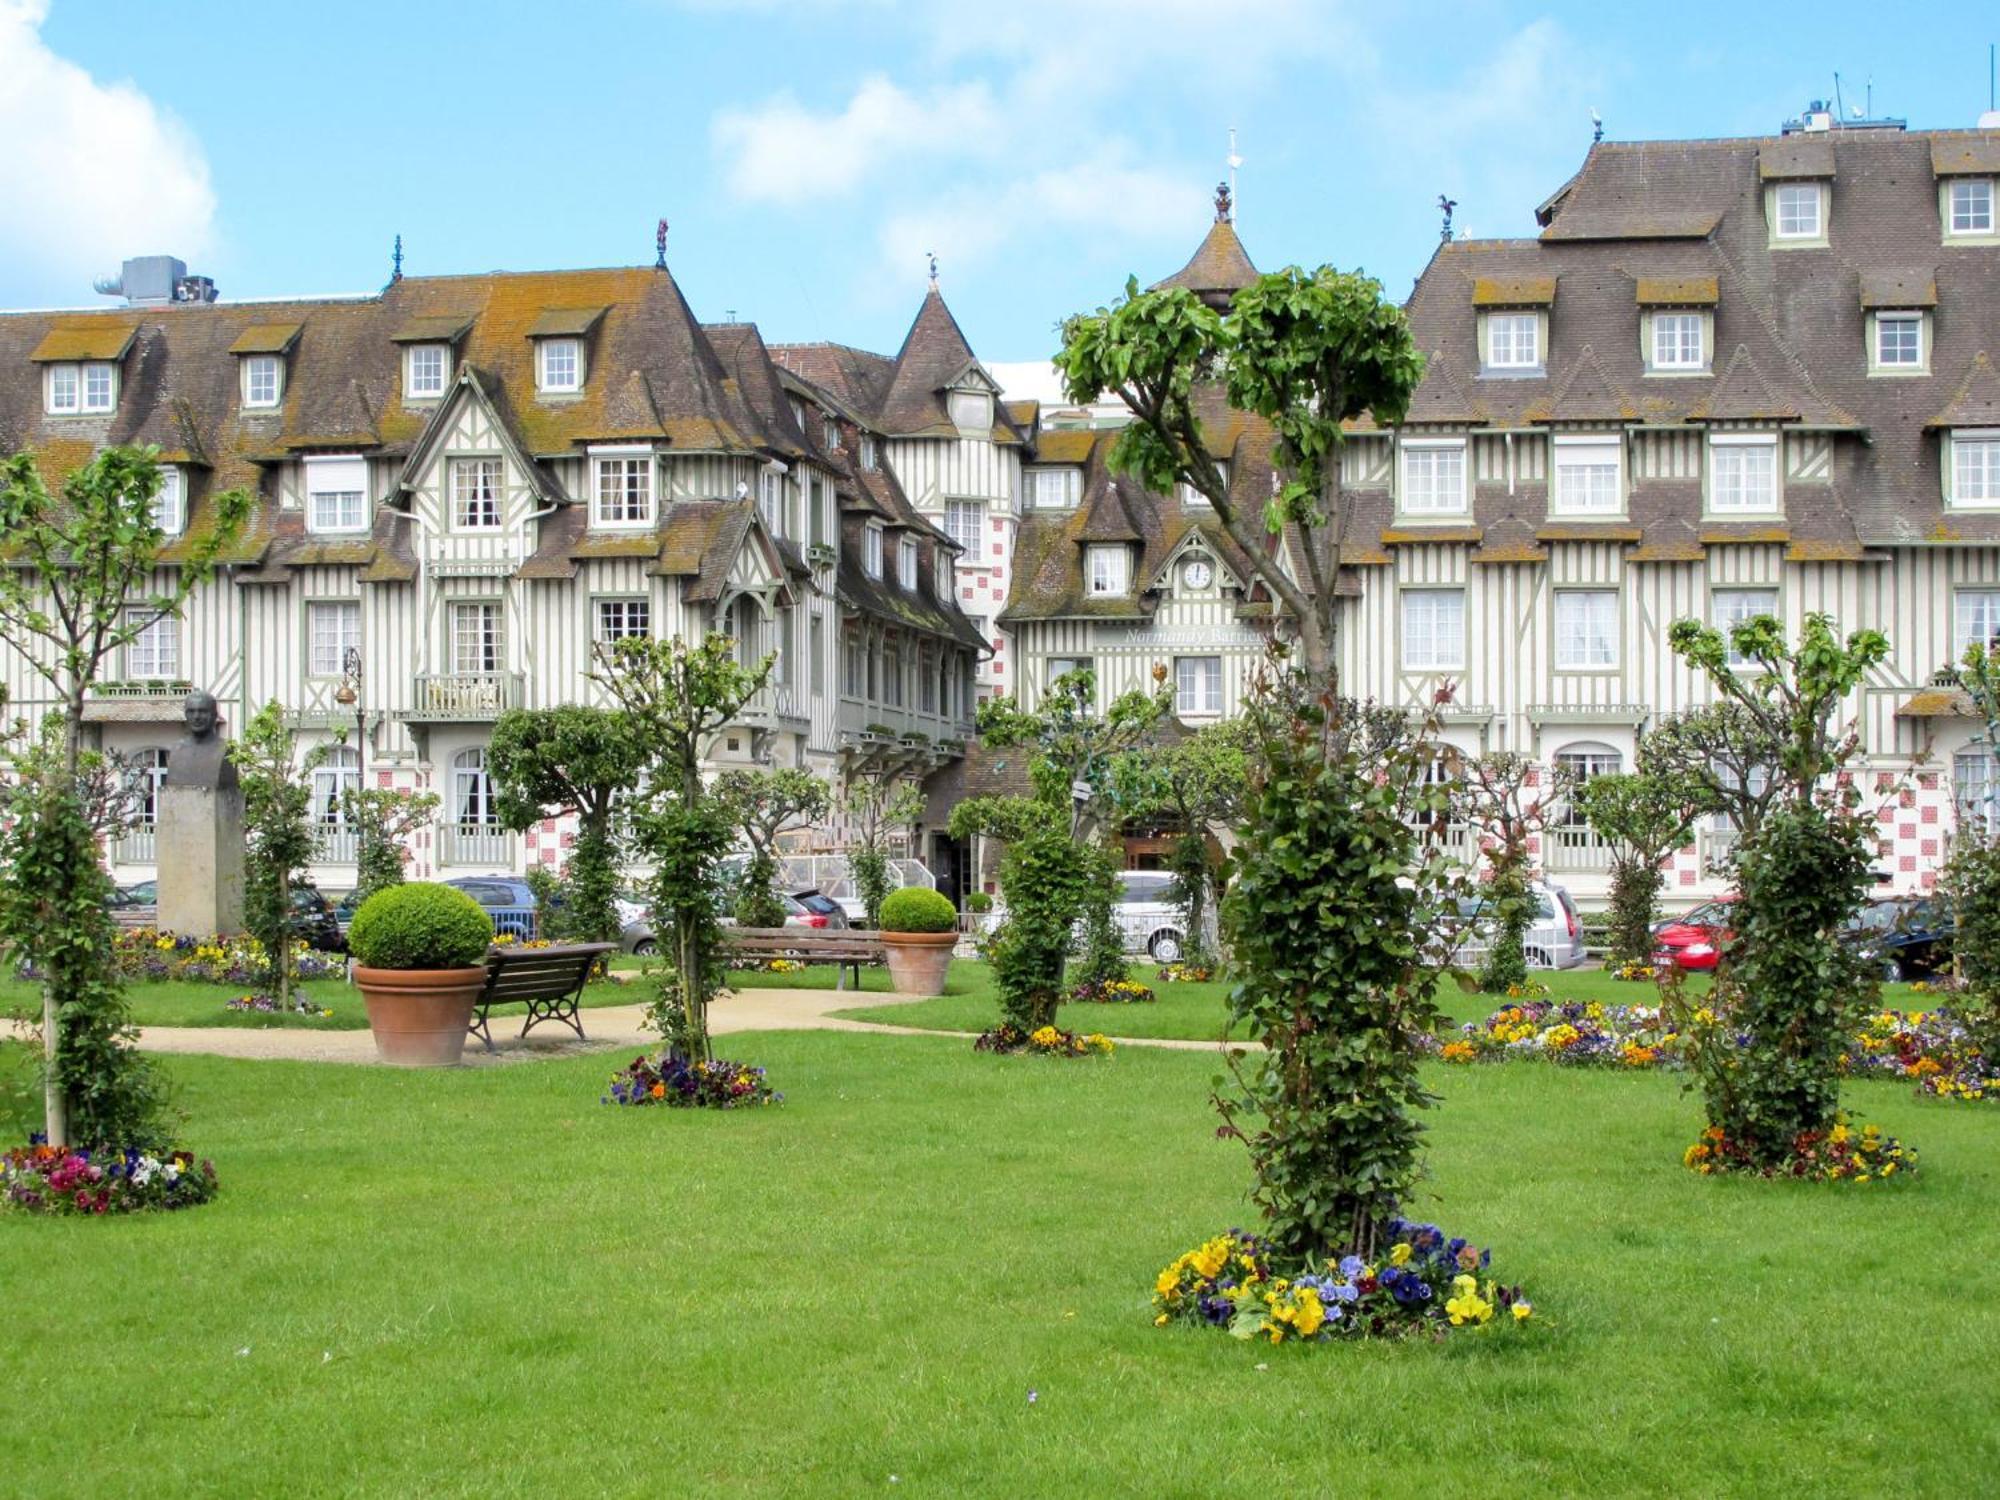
x=1221, y=267
x=935, y=357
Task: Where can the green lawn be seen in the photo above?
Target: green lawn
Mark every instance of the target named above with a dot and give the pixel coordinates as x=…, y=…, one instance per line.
x=481, y=1283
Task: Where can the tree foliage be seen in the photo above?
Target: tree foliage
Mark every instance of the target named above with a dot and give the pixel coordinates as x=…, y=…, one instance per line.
x=1507, y=800
x=1044, y=875
x=764, y=805
x=82, y=581
x=1305, y=351
x=1972, y=874
x=1644, y=815
x=277, y=817
x=384, y=819
x=874, y=804
x=1191, y=785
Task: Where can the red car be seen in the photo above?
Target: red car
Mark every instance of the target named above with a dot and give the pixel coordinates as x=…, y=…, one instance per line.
x=1695, y=940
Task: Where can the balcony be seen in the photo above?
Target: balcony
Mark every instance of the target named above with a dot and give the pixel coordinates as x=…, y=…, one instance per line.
x=777, y=706
x=486, y=846
x=1576, y=847
x=334, y=844
x=151, y=701
x=464, y=697
x=135, y=846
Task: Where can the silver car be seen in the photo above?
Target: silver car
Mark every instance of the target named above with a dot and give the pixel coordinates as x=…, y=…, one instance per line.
x=1151, y=920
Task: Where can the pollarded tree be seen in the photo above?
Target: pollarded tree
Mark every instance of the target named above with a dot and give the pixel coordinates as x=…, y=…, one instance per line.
x=384, y=820
x=764, y=805
x=277, y=817
x=1045, y=874
x=1194, y=784
x=1726, y=750
x=679, y=697
x=1305, y=351
x=578, y=761
x=1787, y=985
x=1507, y=800
x=83, y=578
x=1645, y=815
x=874, y=804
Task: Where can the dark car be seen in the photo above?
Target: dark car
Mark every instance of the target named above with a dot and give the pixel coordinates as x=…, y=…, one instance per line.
x=508, y=899
x=1910, y=936
x=313, y=919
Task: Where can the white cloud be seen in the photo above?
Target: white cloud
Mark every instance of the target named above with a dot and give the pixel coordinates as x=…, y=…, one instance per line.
x=92, y=172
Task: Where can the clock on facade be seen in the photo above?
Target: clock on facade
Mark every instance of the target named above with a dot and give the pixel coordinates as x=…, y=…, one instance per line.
x=1197, y=574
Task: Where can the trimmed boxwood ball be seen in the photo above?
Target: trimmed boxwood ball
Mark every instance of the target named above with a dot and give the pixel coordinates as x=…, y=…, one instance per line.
x=915, y=909
x=420, y=926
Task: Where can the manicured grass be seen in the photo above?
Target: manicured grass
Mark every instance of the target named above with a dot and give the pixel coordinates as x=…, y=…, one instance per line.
x=483, y=1283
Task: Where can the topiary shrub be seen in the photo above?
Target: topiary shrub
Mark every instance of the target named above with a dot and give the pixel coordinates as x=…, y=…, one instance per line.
x=420, y=926
x=979, y=903
x=915, y=909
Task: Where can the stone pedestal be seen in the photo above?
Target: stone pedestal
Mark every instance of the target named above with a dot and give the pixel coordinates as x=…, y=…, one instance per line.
x=199, y=859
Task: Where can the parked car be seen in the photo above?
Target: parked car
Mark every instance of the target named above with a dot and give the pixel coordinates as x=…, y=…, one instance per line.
x=1554, y=939
x=821, y=904
x=1910, y=936
x=638, y=935
x=508, y=899
x=1151, y=920
x=1694, y=942
x=314, y=920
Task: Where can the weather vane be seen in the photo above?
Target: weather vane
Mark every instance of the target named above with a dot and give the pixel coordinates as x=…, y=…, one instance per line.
x=932, y=254
x=1447, y=205
x=1596, y=127
x=396, y=271
x=660, y=247
x=1222, y=196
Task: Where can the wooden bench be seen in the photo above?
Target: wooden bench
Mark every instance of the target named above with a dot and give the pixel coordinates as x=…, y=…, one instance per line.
x=550, y=981
x=846, y=950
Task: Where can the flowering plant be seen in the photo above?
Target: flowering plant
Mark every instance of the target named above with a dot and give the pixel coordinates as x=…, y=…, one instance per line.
x=1047, y=1041
x=672, y=1079
x=1576, y=1032
x=45, y=1179
x=1111, y=992
x=1837, y=1154
x=266, y=1006
x=1528, y=989
x=152, y=953
x=1424, y=1283
x=1188, y=971
x=1632, y=968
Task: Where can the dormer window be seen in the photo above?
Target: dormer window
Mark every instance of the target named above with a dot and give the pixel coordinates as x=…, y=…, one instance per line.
x=871, y=550
x=1513, y=341
x=622, y=487
x=829, y=434
x=1743, y=473
x=337, y=494
x=1053, y=488
x=1680, y=341
x=906, y=562
x=1110, y=571
x=1968, y=208
x=169, y=504
x=559, y=365
x=798, y=412
x=972, y=412
x=1192, y=498
x=869, y=461
x=425, y=370
x=263, y=381
x=1798, y=213
x=81, y=389
x=1897, y=343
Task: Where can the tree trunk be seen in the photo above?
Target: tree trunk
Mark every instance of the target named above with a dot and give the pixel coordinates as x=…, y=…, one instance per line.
x=55, y=1107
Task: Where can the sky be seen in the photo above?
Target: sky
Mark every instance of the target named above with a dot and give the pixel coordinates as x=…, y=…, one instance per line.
x=810, y=155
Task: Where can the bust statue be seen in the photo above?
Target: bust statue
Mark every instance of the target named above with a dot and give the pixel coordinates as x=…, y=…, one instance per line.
x=201, y=759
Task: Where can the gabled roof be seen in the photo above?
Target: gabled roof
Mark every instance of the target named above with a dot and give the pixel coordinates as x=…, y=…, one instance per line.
x=934, y=355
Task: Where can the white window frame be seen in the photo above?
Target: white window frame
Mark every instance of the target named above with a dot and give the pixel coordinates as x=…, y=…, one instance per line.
x=62, y=390
x=472, y=792
x=906, y=562
x=91, y=372
x=1965, y=442
x=1879, y=324
x=1975, y=780
x=170, y=504
x=322, y=475
x=470, y=637
x=632, y=463
x=1058, y=667
x=965, y=523
x=1582, y=454
x=1192, y=498
x=1668, y=337
x=1521, y=353
x=1586, y=630
x=559, y=376
x=621, y=618
x=871, y=551
x=1110, y=569
x=1427, y=454
x=420, y=382
x=871, y=458
x=981, y=415
x=1053, y=486
x=333, y=626
x=1950, y=210
x=1735, y=445
x=462, y=476
x=260, y=394
x=1975, y=620
x=1730, y=607
x=1425, y=621
x=154, y=654
x=335, y=776
x=1799, y=233
x=1197, y=687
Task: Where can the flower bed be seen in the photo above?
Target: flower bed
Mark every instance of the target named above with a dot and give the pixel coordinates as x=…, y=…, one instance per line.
x=1046, y=1041
x=1112, y=992
x=1424, y=1284
x=1841, y=1154
x=44, y=1179
x=676, y=1081
x=1632, y=969
x=149, y=953
x=267, y=1005
x=1186, y=972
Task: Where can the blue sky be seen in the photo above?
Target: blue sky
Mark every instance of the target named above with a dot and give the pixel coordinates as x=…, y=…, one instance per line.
x=810, y=153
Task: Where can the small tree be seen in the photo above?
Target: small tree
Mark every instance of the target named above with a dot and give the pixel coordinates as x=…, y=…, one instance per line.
x=874, y=804
x=571, y=760
x=1192, y=785
x=384, y=820
x=1787, y=985
x=1506, y=799
x=277, y=812
x=679, y=697
x=83, y=580
x=764, y=805
x=1645, y=815
x=1725, y=751
x=1044, y=875
x=1972, y=874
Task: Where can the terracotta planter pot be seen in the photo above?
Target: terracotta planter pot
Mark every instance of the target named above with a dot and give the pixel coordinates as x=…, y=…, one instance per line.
x=420, y=1016
x=918, y=960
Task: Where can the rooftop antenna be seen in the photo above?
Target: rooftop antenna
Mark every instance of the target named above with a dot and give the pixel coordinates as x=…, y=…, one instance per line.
x=660, y=247
x=932, y=256
x=396, y=262
x=1447, y=205
x=1596, y=127
x=1232, y=161
x=1839, y=107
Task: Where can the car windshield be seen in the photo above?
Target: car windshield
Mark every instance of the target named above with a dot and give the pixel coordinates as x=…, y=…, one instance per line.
x=1145, y=888
x=1882, y=916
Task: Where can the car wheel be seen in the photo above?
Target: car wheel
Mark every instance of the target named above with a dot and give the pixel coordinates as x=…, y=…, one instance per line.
x=645, y=948
x=1537, y=959
x=1165, y=947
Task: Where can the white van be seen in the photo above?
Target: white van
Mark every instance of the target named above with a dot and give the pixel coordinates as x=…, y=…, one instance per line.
x=1147, y=914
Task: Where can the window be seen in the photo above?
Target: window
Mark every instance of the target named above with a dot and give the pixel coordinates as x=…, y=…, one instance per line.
x=816, y=640
x=424, y=371
x=1678, y=341
x=71, y=390
x=1743, y=474
x=336, y=494
x=1975, y=780
x=623, y=620
x=1190, y=497
x=154, y=654
x=1434, y=478
x=817, y=506
x=855, y=678
x=98, y=387
x=1197, y=685
x=1971, y=205
x=333, y=629
x=972, y=411
x=964, y=521
x=475, y=493
x=1578, y=764
x=1053, y=489
x=1975, y=467
x=829, y=433
x=1899, y=340
x=1513, y=341
x=63, y=388
x=1433, y=629
x=1110, y=570
x=1587, y=477
x=1731, y=607
x=1798, y=211
x=263, y=380
x=472, y=803
x=170, y=504
x=559, y=365
x=624, y=491
x=1975, y=621
x=871, y=550
x=906, y=562
x=147, y=772
x=477, y=645
x=1586, y=629
x=332, y=779
x=869, y=460
x=892, y=674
